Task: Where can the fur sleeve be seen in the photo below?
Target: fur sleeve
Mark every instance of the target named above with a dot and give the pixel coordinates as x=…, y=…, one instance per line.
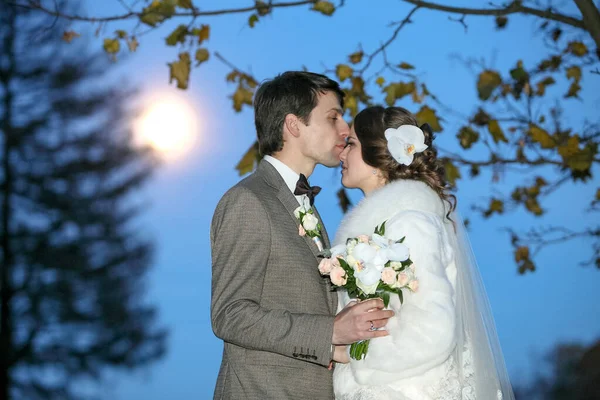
x=422, y=333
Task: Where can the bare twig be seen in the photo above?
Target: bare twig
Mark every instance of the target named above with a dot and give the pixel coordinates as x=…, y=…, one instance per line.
x=401, y=25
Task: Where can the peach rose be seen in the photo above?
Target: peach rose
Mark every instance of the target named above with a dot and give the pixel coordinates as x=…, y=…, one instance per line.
x=325, y=266
x=301, y=230
x=338, y=276
x=388, y=276
x=403, y=279
x=414, y=285
x=363, y=238
x=335, y=262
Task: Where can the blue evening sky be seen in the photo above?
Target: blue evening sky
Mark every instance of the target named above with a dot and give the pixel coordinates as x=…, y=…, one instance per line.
x=532, y=312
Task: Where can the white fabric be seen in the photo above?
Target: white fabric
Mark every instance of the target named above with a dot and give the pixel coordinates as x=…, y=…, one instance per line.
x=290, y=177
x=427, y=355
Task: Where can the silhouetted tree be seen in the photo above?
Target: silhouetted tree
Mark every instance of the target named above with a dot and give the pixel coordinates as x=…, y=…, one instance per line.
x=72, y=258
x=573, y=374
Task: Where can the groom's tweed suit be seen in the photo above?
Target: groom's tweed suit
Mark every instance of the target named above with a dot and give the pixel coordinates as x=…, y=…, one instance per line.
x=269, y=304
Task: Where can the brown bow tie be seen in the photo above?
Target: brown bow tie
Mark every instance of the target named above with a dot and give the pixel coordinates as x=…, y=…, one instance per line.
x=302, y=187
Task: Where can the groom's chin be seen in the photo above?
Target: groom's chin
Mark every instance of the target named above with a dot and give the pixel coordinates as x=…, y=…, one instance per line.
x=331, y=163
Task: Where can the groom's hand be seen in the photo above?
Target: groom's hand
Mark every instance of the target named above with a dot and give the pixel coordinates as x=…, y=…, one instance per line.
x=358, y=321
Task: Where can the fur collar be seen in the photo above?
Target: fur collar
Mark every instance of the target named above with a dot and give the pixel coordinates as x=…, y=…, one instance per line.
x=382, y=204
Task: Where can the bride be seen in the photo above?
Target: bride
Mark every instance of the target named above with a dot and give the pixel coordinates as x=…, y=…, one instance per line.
x=442, y=342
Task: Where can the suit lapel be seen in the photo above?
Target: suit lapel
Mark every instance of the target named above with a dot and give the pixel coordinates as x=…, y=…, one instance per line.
x=290, y=203
x=324, y=231
x=272, y=177
x=331, y=293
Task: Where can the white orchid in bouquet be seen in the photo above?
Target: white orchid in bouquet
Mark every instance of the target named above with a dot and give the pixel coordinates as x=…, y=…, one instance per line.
x=370, y=267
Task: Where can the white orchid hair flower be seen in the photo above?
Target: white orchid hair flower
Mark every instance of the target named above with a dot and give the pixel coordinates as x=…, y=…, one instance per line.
x=404, y=142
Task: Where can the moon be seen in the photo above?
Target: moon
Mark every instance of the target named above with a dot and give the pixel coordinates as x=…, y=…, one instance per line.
x=168, y=124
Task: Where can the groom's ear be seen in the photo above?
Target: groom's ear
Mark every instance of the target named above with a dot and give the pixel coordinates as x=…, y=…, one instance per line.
x=291, y=125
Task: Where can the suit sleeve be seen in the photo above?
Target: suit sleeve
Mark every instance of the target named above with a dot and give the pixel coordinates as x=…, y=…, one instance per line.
x=422, y=333
x=241, y=244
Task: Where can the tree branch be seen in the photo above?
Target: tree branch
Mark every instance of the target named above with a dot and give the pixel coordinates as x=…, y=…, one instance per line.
x=591, y=18
x=35, y=5
x=513, y=8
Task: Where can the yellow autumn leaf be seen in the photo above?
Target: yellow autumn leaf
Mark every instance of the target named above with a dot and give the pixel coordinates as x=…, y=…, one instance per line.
x=533, y=206
x=187, y=4
x=343, y=72
x=240, y=97
x=203, y=33
x=570, y=148
x=553, y=63
x=582, y=159
x=202, y=55
x=324, y=7
x=132, y=44
x=574, y=89
x=467, y=136
x=177, y=36
x=68, y=36
x=574, y=73
x=542, y=137
x=488, y=81
x=427, y=115
x=351, y=104
x=252, y=20
x=521, y=253
x=541, y=85
x=111, y=46
x=262, y=8
x=452, y=172
x=577, y=48
x=496, y=206
x=481, y=118
x=405, y=65
x=157, y=12
x=356, y=57
x=496, y=131
x=249, y=159
x=180, y=70
x=397, y=91
x=380, y=81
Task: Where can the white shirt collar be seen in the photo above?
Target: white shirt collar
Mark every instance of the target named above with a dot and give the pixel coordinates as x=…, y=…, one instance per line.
x=289, y=176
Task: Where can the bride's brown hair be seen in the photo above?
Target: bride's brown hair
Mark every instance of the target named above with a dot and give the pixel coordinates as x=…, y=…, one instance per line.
x=370, y=125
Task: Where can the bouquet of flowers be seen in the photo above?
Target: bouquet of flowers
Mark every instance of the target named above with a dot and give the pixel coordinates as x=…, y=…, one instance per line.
x=370, y=267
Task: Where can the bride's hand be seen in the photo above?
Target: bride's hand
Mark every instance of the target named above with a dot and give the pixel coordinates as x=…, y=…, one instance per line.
x=340, y=354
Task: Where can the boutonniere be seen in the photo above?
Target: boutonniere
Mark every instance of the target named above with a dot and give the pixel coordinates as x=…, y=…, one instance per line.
x=309, y=223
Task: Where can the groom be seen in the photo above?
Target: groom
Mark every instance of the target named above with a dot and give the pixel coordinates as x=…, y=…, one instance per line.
x=270, y=305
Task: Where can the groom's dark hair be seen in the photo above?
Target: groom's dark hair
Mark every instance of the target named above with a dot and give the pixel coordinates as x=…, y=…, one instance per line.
x=293, y=92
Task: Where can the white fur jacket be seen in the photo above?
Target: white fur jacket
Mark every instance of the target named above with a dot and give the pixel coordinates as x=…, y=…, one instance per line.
x=414, y=362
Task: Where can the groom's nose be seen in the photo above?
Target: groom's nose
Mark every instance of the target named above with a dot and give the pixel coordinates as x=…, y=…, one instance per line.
x=345, y=131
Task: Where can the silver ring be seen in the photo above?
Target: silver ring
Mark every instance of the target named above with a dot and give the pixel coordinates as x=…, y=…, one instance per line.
x=372, y=328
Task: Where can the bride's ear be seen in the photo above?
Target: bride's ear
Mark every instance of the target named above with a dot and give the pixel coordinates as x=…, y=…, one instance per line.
x=291, y=125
